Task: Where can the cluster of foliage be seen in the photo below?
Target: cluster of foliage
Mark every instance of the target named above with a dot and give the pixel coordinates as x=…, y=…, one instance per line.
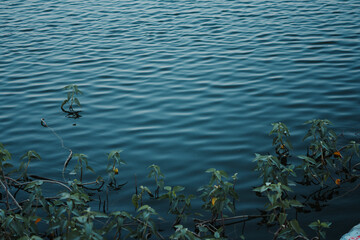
x=29, y=213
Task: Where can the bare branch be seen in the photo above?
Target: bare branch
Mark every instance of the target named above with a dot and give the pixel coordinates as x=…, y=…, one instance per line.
x=9, y=194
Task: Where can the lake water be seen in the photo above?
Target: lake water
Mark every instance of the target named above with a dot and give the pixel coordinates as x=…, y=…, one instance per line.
x=187, y=85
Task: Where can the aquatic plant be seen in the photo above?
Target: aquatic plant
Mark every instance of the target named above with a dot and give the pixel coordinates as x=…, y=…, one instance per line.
x=29, y=212
x=71, y=101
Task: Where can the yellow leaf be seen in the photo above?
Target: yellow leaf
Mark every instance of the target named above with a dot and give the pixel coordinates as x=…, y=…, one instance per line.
x=337, y=154
x=37, y=220
x=337, y=182
x=213, y=200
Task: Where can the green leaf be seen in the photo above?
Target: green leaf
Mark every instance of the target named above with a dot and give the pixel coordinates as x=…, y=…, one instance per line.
x=68, y=87
x=223, y=173
x=272, y=198
x=307, y=159
x=314, y=225
x=282, y=218
x=36, y=238
x=36, y=155
x=178, y=188
x=114, y=154
x=99, y=215
x=218, y=175
x=326, y=224
x=295, y=203
x=144, y=207
x=88, y=229
x=295, y=225
x=90, y=169
x=272, y=218
x=234, y=177
x=77, y=102
x=9, y=220
x=135, y=200
x=7, y=165
x=33, y=184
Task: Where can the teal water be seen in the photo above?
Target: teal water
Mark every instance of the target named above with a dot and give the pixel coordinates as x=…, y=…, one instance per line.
x=187, y=85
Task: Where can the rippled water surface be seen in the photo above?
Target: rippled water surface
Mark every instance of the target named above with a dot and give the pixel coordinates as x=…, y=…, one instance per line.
x=187, y=85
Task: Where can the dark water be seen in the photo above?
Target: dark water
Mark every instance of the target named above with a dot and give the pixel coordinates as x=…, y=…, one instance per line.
x=187, y=85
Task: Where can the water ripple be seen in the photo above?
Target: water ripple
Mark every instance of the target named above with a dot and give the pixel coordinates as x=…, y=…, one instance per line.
x=184, y=84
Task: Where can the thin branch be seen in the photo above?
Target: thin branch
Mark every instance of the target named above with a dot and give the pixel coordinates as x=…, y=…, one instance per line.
x=68, y=160
x=276, y=234
x=347, y=192
x=79, y=184
x=7, y=192
x=11, y=196
x=48, y=181
x=144, y=223
x=358, y=164
x=229, y=218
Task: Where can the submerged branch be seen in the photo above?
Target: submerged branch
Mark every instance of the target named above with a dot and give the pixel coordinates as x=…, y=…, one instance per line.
x=68, y=160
